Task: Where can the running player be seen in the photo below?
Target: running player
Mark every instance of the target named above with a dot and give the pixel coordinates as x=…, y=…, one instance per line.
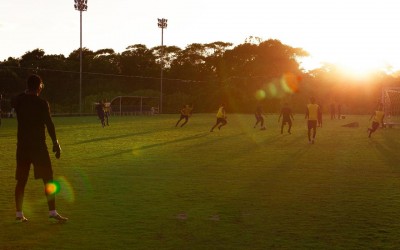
x=186, y=111
x=377, y=119
x=33, y=116
x=259, y=117
x=221, y=118
x=312, y=117
x=287, y=117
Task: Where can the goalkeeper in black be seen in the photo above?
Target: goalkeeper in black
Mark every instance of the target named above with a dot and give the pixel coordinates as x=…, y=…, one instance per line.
x=33, y=115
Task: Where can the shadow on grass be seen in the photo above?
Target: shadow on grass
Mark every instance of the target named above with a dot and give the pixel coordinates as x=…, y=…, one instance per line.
x=116, y=137
x=193, y=137
x=389, y=151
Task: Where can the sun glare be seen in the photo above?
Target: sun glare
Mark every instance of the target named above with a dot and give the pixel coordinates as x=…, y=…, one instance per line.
x=350, y=62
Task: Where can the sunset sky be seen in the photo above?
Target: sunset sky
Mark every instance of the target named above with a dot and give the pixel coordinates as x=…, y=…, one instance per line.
x=360, y=35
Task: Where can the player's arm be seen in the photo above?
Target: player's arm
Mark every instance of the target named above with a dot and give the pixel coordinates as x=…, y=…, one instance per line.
x=52, y=131
x=291, y=115
x=307, y=114
x=280, y=115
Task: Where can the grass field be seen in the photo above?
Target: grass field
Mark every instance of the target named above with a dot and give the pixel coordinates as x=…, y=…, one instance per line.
x=144, y=184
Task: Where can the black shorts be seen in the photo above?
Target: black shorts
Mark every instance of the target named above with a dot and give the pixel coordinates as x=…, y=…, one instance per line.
x=221, y=120
x=39, y=158
x=312, y=124
x=184, y=117
x=288, y=121
x=375, y=126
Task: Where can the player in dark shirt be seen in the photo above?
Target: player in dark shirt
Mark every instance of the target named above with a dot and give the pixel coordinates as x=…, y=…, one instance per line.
x=100, y=113
x=33, y=115
x=259, y=117
x=287, y=117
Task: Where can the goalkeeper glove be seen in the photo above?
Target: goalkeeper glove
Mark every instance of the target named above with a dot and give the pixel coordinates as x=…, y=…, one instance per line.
x=57, y=149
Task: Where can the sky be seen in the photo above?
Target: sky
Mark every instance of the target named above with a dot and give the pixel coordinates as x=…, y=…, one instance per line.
x=357, y=34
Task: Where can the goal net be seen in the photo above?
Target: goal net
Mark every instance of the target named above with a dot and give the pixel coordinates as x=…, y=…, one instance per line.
x=391, y=105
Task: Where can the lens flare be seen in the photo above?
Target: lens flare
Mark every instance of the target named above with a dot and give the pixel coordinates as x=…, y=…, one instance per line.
x=272, y=89
x=53, y=187
x=290, y=83
x=67, y=191
x=260, y=95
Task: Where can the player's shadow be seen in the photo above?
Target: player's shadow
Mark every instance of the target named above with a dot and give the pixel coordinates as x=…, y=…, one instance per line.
x=390, y=153
x=114, y=137
x=193, y=137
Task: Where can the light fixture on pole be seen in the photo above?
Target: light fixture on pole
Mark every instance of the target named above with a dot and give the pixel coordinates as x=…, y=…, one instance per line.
x=80, y=5
x=162, y=23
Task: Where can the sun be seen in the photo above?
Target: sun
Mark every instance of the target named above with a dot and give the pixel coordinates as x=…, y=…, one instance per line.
x=356, y=62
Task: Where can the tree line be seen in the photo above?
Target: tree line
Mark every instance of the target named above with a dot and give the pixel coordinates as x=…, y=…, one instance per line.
x=266, y=73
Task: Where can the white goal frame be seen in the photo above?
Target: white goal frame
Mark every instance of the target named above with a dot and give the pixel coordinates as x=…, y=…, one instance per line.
x=392, y=117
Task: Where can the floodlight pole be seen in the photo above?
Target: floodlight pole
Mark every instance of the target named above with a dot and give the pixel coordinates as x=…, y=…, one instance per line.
x=80, y=5
x=162, y=23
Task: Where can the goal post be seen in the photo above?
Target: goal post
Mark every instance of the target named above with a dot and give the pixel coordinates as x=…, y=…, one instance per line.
x=391, y=105
x=134, y=105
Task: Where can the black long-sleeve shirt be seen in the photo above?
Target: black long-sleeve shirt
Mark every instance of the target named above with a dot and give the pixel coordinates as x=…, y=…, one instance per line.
x=33, y=115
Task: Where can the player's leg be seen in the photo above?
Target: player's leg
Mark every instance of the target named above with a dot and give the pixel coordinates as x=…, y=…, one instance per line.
x=21, y=175
x=262, y=123
x=257, y=121
x=102, y=120
x=186, y=120
x=282, y=125
x=314, y=130
x=223, y=123
x=180, y=119
x=375, y=126
x=290, y=126
x=309, y=127
x=50, y=192
x=216, y=124
x=19, y=199
x=106, y=118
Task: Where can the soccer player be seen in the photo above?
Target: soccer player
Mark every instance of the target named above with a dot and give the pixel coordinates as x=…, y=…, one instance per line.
x=107, y=108
x=333, y=111
x=339, y=111
x=33, y=116
x=259, y=117
x=186, y=111
x=320, y=116
x=312, y=117
x=377, y=118
x=287, y=117
x=100, y=112
x=221, y=118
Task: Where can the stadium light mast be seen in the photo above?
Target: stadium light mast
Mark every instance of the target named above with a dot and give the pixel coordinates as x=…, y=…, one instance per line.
x=162, y=23
x=80, y=5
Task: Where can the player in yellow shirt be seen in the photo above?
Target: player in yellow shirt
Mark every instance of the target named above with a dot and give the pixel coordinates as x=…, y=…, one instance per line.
x=186, y=111
x=312, y=117
x=221, y=118
x=377, y=119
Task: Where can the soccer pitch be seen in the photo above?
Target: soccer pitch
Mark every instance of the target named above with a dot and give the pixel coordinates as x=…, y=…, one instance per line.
x=142, y=183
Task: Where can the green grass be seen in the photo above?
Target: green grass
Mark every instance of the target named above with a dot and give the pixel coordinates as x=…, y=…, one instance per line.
x=144, y=184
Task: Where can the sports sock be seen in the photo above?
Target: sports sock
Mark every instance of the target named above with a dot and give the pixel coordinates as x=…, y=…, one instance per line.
x=53, y=213
x=19, y=214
